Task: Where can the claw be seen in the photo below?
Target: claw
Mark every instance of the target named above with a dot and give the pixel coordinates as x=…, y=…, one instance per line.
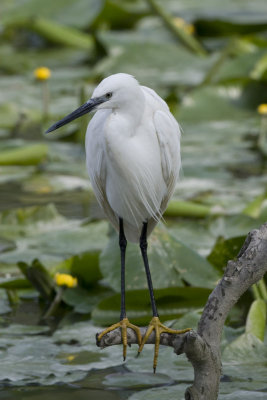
x=159, y=328
x=123, y=324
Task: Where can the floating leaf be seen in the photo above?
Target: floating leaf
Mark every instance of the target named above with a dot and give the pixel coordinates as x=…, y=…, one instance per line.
x=235, y=226
x=225, y=250
x=185, y=37
x=152, y=63
x=136, y=380
x=256, y=319
x=63, y=11
x=22, y=330
x=4, y=304
x=222, y=27
x=26, y=155
x=161, y=263
x=220, y=105
x=167, y=392
x=56, y=33
x=247, y=348
x=6, y=245
x=190, y=209
x=14, y=283
x=189, y=319
x=86, y=267
x=84, y=301
x=254, y=208
x=170, y=261
x=15, y=173
x=41, y=232
x=239, y=67
x=172, y=303
x=260, y=68
x=120, y=14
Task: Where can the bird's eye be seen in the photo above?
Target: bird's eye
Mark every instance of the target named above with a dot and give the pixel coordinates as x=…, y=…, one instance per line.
x=108, y=95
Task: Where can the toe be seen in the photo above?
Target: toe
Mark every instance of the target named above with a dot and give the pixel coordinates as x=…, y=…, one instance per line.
x=164, y=328
x=124, y=339
x=136, y=329
x=147, y=334
x=156, y=349
x=107, y=330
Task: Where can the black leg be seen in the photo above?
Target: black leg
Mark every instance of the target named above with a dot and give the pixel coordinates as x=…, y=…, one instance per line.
x=124, y=323
x=143, y=247
x=123, y=244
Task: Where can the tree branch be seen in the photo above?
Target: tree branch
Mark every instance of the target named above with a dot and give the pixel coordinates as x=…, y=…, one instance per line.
x=203, y=347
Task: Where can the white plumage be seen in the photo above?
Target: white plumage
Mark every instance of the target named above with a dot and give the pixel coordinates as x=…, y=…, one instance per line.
x=133, y=160
x=132, y=153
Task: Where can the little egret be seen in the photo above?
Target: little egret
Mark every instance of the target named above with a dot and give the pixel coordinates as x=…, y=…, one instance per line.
x=133, y=160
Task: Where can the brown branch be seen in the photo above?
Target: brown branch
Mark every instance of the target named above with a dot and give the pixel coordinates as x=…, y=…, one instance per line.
x=203, y=347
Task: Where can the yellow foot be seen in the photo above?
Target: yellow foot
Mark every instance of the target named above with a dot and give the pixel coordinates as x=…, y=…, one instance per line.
x=123, y=324
x=159, y=328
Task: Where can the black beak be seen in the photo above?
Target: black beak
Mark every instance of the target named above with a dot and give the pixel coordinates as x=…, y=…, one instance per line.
x=90, y=105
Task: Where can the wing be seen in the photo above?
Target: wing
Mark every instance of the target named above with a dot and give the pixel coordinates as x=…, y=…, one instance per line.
x=168, y=133
x=96, y=164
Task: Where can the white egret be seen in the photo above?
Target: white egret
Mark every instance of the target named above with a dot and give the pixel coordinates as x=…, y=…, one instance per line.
x=133, y=160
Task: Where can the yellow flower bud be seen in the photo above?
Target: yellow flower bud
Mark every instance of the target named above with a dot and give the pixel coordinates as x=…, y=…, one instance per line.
x=71, y=357
x=42, y=73
x=65, y=280
x=181, y=23
x=262, y=109
x=190, y=29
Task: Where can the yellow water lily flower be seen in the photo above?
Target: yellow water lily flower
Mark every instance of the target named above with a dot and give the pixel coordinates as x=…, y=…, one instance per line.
x=66, y=280
x=42, y=73
x=262, y=109
x=181, y=23
x=71, y=357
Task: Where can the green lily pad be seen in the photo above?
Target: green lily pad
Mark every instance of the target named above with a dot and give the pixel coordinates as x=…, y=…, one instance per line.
x=256, y=319
x=171, y=392
x=4, y=304
x=84, y=301
x=22, y=330
x=27, y=155
x=22, y=221
x=188, y=320
x=220, y=105
x=239, y=67
x=171, y=303
x=9, y=114
x=153, y=64
x=6, y=245
x=120, y=14
x=235, y=226
x=210, y=10
x=48, y=357
x=225, y=250
x=14, y=283
x=41, y=232
x=136, y=380
x=247, y=349
x=170, y=262
x=64, y=12
x=15, y=173
x=244, y=395
x=84, y=266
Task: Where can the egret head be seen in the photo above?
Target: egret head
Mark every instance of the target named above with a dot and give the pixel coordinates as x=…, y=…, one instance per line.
x=114, y=92
x=117, y=90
